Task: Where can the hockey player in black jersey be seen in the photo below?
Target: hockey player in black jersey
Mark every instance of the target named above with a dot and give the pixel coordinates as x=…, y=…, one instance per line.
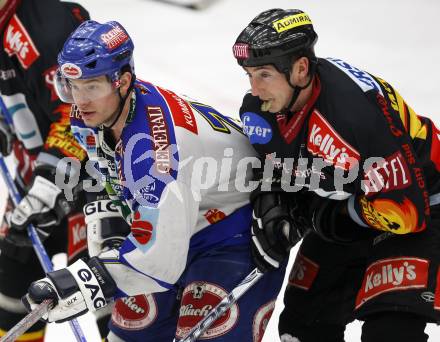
x=352, y=170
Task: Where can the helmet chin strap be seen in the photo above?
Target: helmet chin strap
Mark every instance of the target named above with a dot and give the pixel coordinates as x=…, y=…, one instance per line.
x=296, y=90
x=122, y=100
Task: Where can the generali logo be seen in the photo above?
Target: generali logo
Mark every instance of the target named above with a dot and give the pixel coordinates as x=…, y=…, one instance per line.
x=16, y=41
x=323, y=141
x=395, y=274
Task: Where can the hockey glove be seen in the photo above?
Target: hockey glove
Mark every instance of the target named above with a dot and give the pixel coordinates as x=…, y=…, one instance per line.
x=74, y=290
x=328, y=218
x=106, y=229
x=44, y=206
x=7, y=137
x=273, y=231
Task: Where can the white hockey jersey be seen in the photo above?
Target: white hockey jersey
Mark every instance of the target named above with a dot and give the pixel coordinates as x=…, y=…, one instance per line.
x=180, y=174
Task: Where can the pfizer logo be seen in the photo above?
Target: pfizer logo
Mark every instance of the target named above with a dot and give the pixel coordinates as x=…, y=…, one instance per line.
x=71, y=70
x=256, y=128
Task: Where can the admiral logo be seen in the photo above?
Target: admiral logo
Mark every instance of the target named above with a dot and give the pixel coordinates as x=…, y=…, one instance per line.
x=389, y=174
x=115, y=37
x=71, y=70
x=392, y=275
x=291, y=22
x=241, y=51
x=323, y=141
x=159, y=132
x=256, y=128
x=16, y=41
x=193, y=309
x=135, y=312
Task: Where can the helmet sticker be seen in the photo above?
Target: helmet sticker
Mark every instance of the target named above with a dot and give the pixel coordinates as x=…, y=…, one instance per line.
x=70, y=70
x=241, y=50
x=291, y=22
x=113, y=38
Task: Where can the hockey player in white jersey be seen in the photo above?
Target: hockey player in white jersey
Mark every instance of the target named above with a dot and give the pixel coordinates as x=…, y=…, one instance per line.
x=179, y=172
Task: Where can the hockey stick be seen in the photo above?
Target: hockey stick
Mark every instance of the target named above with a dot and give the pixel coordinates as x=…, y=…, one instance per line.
x=224, y=305
x=44, y=259
x=21, y=327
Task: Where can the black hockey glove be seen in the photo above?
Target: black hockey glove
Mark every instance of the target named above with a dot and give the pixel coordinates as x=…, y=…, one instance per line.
x=7, y=137
x=75, y=290
x=274, y=232
x=327, y=217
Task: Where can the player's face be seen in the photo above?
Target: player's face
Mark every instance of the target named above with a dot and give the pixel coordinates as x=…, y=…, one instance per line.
x=270, y=86
x=96, y=99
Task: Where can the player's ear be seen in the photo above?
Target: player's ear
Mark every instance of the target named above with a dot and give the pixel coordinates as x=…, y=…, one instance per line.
x=125, y=82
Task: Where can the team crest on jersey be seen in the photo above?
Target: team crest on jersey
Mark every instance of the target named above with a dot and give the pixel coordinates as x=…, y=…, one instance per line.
x=261, y=319
x=325, y=142
x=135, y=312
x=256, y=128
x=198, y=299
x=391, y=216
x=17, y=41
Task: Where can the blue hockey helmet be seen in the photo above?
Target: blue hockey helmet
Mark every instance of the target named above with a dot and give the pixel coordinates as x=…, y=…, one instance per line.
x=94, y=50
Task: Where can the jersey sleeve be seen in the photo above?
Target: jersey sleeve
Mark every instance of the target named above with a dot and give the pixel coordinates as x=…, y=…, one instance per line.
x=394, y=189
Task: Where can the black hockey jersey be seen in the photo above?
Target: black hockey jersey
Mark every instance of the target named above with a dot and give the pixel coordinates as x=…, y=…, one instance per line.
x=32, y=33
x=355, y=139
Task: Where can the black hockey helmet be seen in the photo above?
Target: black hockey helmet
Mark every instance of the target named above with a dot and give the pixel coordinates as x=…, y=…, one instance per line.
x=274, y=37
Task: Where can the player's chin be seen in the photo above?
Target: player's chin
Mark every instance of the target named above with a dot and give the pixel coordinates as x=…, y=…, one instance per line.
x=91, y=122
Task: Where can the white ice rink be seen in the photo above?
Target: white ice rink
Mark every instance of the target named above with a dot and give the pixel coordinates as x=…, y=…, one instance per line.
x=190, y=52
